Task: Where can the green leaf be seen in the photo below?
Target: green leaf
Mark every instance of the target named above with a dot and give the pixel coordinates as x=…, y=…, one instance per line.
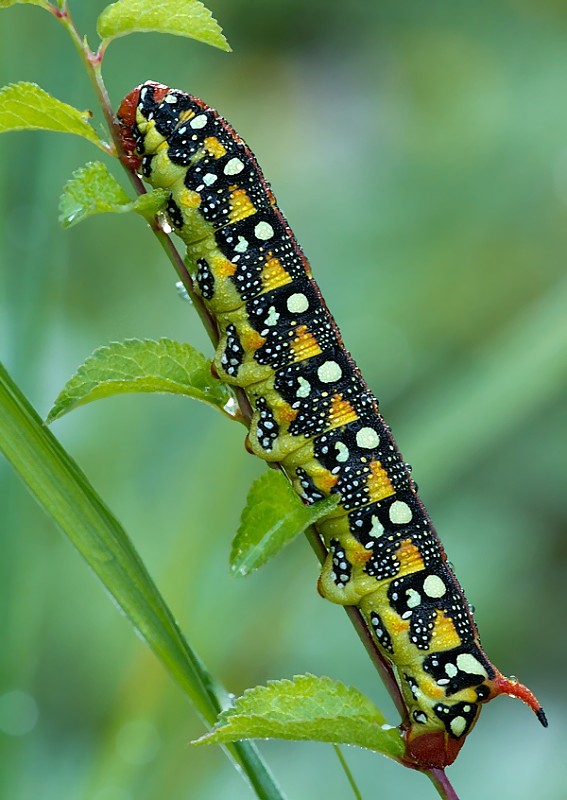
x=25, y=106
x=93, y=190
x=272, y=517
x=141, y=366
x=7, y=3
x=307, y=708
x=65, y=494
x=180, y=17
x=149, y=203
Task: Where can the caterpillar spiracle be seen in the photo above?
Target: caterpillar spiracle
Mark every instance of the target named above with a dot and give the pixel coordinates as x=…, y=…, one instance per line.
x=315, y=415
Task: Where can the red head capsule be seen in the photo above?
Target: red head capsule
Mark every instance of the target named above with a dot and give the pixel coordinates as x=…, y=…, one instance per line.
x=127, y=118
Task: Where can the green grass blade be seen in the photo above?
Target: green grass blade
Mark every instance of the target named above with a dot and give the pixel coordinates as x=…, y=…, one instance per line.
x=494, y=389
x=65, y=494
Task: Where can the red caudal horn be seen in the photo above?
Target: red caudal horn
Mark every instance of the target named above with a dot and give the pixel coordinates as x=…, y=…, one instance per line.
x=514, y=688
x=437, y=749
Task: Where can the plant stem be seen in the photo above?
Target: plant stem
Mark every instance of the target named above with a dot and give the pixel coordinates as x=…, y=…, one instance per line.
x=441, y=782
x=347, y=771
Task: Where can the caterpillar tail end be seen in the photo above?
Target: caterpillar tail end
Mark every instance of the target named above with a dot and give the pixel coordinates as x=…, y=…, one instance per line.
x=513, y=688
x=435, y=750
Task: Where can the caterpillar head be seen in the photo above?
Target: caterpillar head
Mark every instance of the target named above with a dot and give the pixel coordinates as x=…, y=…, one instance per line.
x=148, y=94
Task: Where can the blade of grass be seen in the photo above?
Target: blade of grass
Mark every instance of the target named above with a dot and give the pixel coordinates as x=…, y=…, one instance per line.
x=495, y=388
x=347, y=772
x=65, y=494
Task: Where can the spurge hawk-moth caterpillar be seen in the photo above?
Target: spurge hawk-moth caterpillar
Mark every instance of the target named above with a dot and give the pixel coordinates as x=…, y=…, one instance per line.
x=315, y=415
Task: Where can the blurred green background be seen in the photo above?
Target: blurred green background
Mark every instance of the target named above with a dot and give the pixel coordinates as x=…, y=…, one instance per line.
x=419, y=151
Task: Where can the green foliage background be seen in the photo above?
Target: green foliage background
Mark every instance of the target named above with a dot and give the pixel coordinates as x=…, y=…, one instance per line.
x=420, y=154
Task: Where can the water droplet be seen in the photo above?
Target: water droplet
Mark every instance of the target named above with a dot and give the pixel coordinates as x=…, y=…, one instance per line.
x=182, y=292
x=231, y=406
x=163, y=222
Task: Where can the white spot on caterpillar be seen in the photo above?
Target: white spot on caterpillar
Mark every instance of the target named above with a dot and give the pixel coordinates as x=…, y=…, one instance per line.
x=367, y=438
x=342, y=452
x=242, y=245
x=458, y=725
x=170, y=98
x=329, y=372
x=451, y=670
x=263, y=231
x=400, y=512
x=297, y=303
x=304, y=388
x=433, y=586
x=272, y=316
x=233, y=167
x=413, y=598
x=377, y=528
x=468, y=663
x=209, y=179
x=199, y=121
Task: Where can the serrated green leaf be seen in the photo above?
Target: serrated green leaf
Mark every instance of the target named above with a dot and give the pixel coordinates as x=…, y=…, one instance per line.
x=180, y=17
x=25, y=106
x=272, y=517
x=307, y=708
x=93, y=190
x=141, y=366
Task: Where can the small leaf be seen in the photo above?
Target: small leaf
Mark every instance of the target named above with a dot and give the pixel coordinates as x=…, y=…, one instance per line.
x=25, y=106
x=149, y=203
x=272, y=517
x=7, y=3
x=141, y=366
x=307, y=708
x=93, y=190
x=180, y=17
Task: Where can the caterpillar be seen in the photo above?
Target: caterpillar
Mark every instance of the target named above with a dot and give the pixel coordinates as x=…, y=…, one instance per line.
x=315, y=415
